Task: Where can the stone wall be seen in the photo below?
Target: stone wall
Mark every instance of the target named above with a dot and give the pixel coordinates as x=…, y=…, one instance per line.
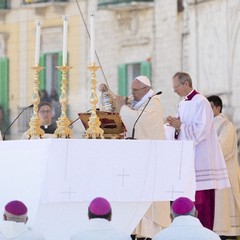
x=202, y=40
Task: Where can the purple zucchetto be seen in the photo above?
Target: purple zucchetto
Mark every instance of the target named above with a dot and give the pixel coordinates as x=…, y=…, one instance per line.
x=17, y=208
x=182, y=206
x=99, y=206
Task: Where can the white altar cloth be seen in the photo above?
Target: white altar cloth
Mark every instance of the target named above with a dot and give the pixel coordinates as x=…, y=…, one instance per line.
x=79, y=170
x=57, y=178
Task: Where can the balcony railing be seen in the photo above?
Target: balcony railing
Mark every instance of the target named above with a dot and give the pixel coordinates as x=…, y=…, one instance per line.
x=42, y=1
x=114, y=2
x=3, y=4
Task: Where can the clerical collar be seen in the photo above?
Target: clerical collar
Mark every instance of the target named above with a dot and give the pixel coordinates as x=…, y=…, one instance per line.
x=190, y=96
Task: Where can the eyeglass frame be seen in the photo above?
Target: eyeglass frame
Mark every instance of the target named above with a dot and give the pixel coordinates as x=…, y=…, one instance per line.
x=45, y=111
x=176, y=87
x=136, y=90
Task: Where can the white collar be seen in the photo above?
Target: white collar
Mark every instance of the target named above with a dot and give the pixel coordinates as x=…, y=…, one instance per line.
x=12, y=229
x=149, y=94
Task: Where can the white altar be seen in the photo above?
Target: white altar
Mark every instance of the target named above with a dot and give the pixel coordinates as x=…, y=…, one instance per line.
x=57, y=178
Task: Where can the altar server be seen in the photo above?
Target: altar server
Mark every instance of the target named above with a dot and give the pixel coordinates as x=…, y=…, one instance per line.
x=99, y=226
x=194, y=121
x=14, y=224
x=227, y=201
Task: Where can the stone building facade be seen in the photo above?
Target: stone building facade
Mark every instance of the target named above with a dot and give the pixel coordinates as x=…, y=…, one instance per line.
x=156, y=38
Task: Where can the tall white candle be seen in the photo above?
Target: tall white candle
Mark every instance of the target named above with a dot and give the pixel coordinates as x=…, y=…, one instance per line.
x=37, y=47
x=92, y=37
x=65, y=29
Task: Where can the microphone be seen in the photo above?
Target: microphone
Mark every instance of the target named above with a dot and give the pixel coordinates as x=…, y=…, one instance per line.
x=4, y=135
x=133, y=130
x=71, y=123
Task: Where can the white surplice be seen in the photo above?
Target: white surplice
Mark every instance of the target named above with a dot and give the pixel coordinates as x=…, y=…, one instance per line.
x=196, y=118
x=227, y=201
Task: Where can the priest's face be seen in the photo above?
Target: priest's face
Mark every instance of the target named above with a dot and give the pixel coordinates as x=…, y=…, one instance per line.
x=139, y=90
x=179, y=88
x=45, y=115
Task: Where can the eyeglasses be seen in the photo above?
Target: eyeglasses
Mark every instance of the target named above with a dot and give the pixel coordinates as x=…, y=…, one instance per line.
x=136, y=90
x=176, y=87
x=45, y=111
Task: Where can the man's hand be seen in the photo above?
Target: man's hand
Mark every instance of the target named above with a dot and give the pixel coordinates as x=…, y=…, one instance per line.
x=174, y=122
x=120, y=101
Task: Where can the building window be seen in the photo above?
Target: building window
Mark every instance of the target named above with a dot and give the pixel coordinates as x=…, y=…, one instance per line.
x=50, y=81
x=42, y=1
x=111, y=2
x=127, y=72
x=50, y=77
x=3, y=4
x=4, y=98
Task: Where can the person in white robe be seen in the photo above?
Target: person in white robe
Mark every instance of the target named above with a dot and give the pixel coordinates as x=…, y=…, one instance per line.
x=99, y=226
x=194, y=122
x=149, y=126
x=185, y=224
x=14, y=225
x=227, y=201
x=150, y=123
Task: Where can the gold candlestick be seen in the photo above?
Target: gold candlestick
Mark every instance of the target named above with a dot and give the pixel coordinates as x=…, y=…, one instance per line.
x=63, y=130
x=94, y=131
x=35, y=131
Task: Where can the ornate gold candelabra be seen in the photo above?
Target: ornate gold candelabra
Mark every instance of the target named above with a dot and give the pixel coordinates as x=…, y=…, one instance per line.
x=63, y=130
x=94, y=131
x=35, y=131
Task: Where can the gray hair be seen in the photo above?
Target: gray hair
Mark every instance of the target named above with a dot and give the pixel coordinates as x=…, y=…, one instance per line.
x=191, y=213
x=183, y=77
x=15, y=218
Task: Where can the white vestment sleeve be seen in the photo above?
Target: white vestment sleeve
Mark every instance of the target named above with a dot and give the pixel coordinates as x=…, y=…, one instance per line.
x=149, y=125
x=227, y=137
x=196, y=122
x=169, y=132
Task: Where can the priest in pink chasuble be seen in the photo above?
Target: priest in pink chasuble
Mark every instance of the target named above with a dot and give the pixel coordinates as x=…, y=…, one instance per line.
x=194, y=121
